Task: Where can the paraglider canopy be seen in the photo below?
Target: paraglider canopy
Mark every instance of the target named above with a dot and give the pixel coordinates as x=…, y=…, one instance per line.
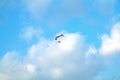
x=58, y=36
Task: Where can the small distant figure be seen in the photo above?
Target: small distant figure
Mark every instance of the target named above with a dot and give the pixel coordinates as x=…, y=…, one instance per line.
x=56, y=38
x=59, y=41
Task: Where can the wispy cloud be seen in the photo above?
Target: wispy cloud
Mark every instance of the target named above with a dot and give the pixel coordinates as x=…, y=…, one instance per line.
x=91, y=51
x=37, y=8
x=53, y=13
x=28, y=33
x=105, y=7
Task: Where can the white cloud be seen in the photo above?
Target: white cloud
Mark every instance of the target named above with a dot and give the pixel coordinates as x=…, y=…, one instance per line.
x=69, y=41
x=50, y=60
x=91, y=51
x=30, y=68
x=56, y=73
x=12, y=67
x=28, y=33
x=111, y=43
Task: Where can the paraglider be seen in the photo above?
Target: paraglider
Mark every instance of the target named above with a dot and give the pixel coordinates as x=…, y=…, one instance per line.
x=56, y=38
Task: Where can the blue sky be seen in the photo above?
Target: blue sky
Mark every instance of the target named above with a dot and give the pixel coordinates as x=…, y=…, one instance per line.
x=89, y=51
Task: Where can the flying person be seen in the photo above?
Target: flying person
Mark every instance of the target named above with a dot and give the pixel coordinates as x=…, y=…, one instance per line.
x=56, y=38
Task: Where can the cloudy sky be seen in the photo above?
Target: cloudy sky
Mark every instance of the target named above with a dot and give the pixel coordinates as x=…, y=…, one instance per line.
x=89, y=50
